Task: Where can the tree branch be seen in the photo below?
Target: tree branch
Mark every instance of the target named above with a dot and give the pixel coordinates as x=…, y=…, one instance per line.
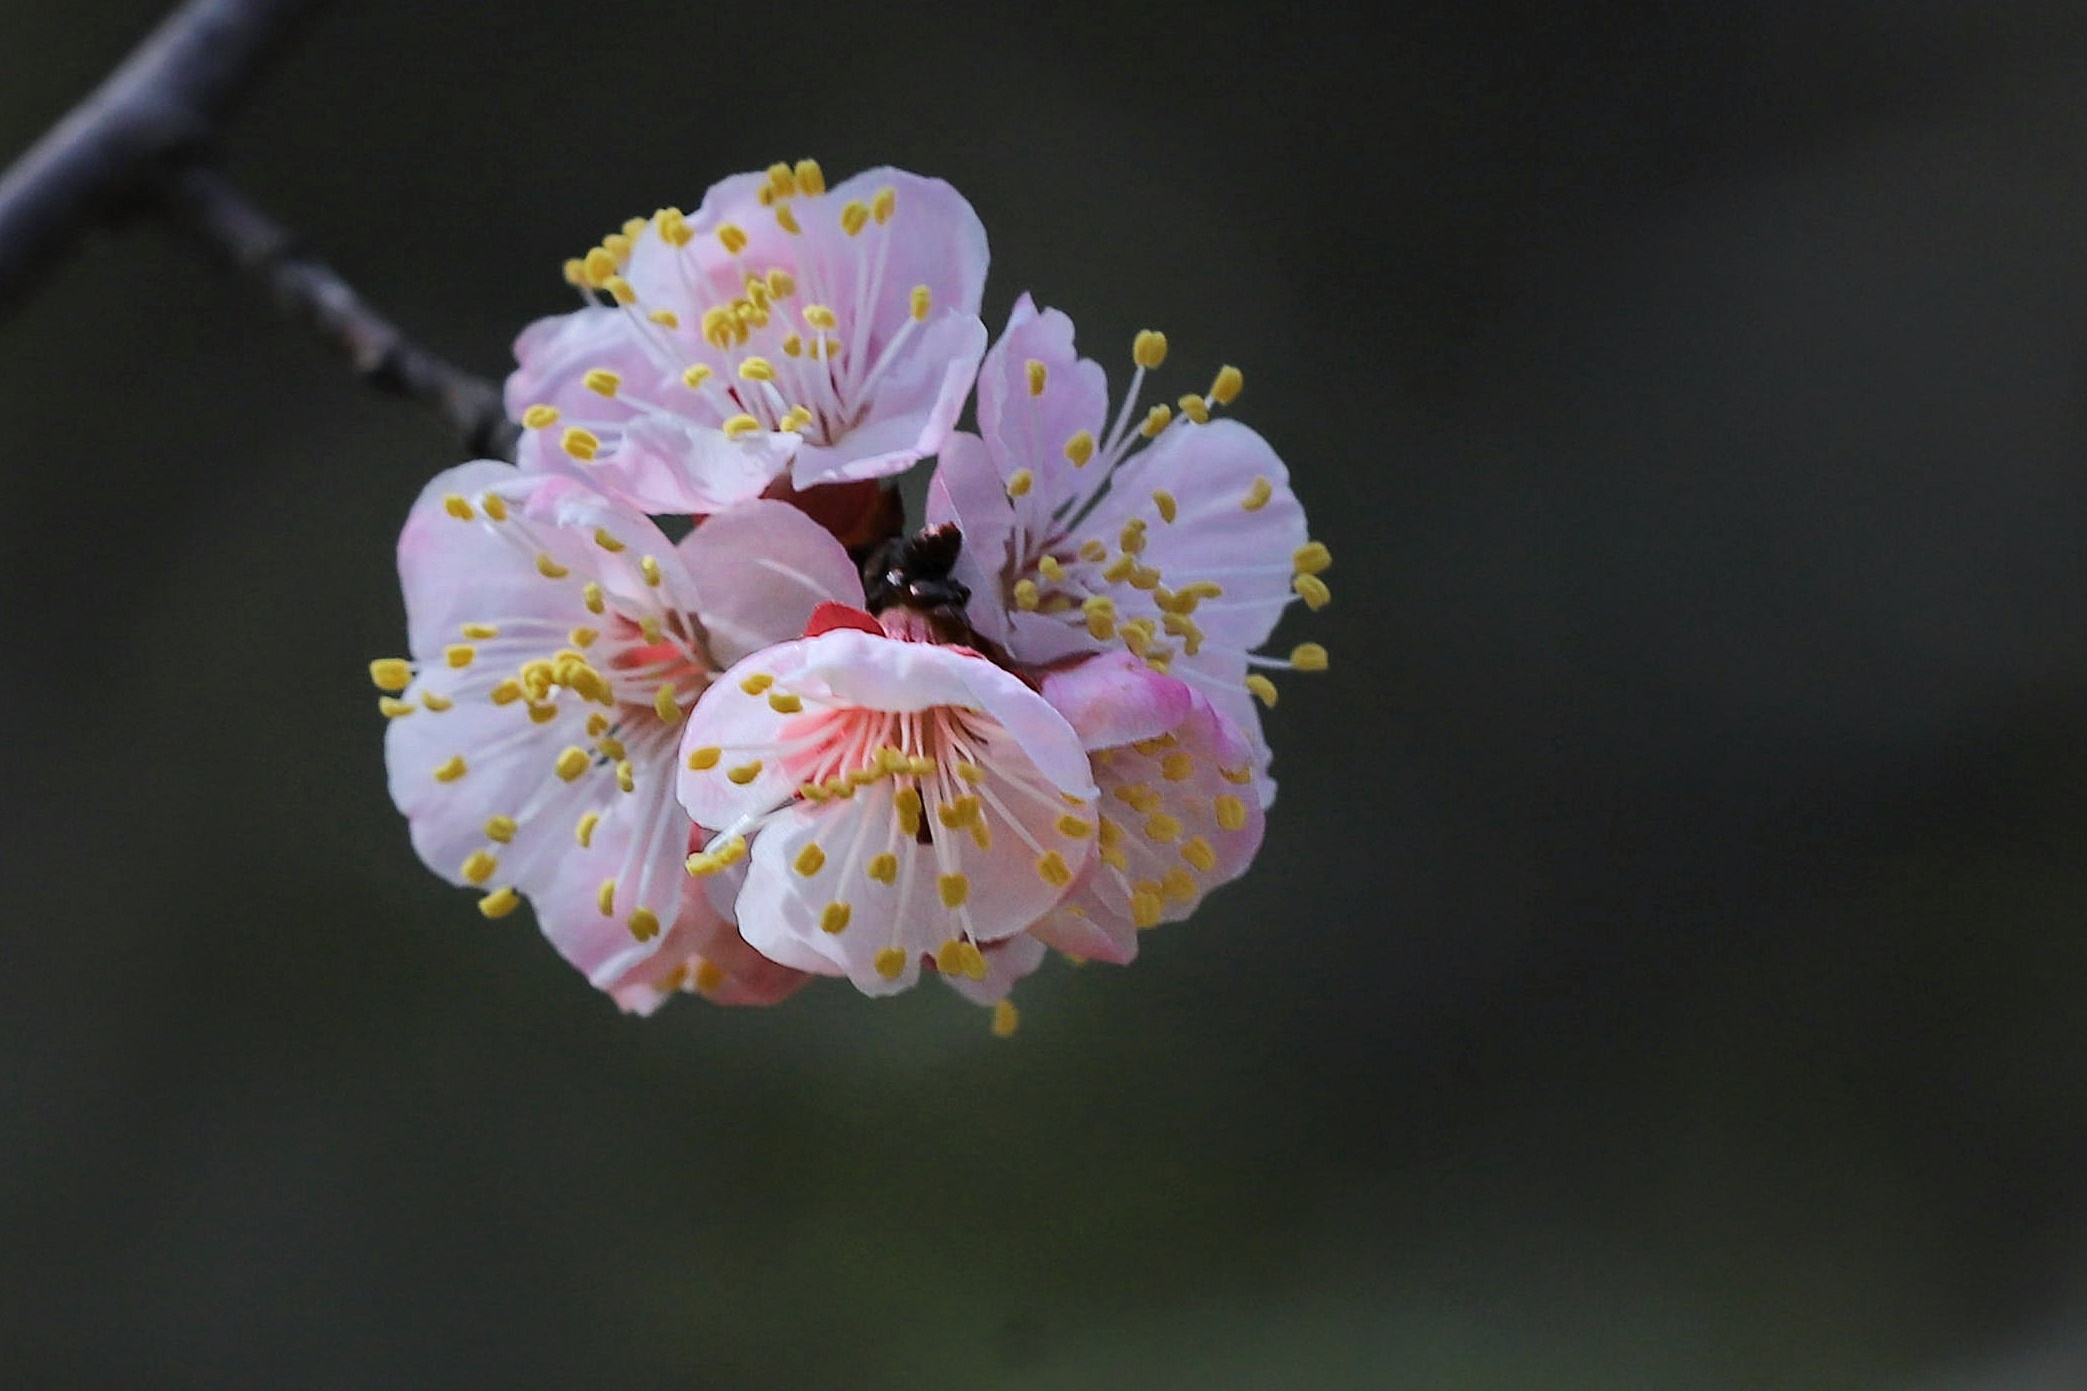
x=141, y=142
x=162, y=107
x=308, y=291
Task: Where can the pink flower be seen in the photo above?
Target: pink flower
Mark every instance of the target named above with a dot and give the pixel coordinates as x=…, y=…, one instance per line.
x=832, y=334
x=1172, y=536
x=558, y=640
x=1177, y=816
x=893, y=801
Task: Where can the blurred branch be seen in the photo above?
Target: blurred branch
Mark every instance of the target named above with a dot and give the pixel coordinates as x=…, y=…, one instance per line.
x=140, y=145
x=308, y=291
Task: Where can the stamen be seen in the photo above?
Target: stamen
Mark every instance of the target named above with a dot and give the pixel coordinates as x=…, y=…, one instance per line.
x=644, y=924
x=1231, y=812
x=1263, y=689
x=584, y=832
x=570, y=763
x=452, y=770
x=1313, y=591
x=499, y=903
x=1308, y=656
x=1257, y=496
x=1225, y=390
x=1080, y=448
x=1038, y=375
x=1149, y=348
x=834, y=917
x=891, y=962
x=478, y=867
x=456, y=506
x=1006, y=1019
x=500, y=829
x=1019, y=483
x=601, y=381
x=391, y=674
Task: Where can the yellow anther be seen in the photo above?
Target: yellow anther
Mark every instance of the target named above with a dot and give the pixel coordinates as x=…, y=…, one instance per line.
x=597, y=725
x=611, y=748
x=720, y=327
x=1263, y=689
x=1053, y=870
x=665, y=706
x=1194, y=407
x=1149, y=348
x=1119, y=569
x=757, y=369
x=884, y=204
x=833, y=918
x=1092, y=549
x=744, y=773
x=673, y=227
x=495, y=506
x=601, y=381
x=479, y=631
x=393, y=708
x=1197, y=852
x=575, y=271
x=452, y=770
x=649, y=625
x=644, y=924
x=810, y=181
x=1308, y=656
x=854, y=217
x=1156, y=420
x=1257, y=496
x=1161, y=827
x=648, y=566
x=1038, y=375
x=813, y=792
x=1179, y=885
x=954, y=888
x=1240, y=776
x=957, y=811
x=1168, y=508
x=756, y=683
x=571, y=763
x=590, y=594
x=920, y=765
x=1080, y=448
x=540, y=417
x=709, y=977
x=1025, y=595
x=584, y=831
x=1006, y=1019
x=810, y=860
x=456, y=506
x=507, y=692
x=794, y=420
x=499, y=903
x=970, y=772
x=740, y=426
x=1231, y=812
x=1099, y=604
x=1132, y=537
x=1197, y=591
x=617, y=244
x=459, y=654
x=785, y=702
x=582, y=444
x=781, y=284
x=1051, y=569
x=665, y=318
x=973, y=962
x=949, y=957
x=782, y=180
x=1313, y=591
x=890, y=759
x=1070, y=825
x=1145, y=908
x=1311, y=558
x=478, y=867
x=600, y=267
x=906, y=802
x=695, y=375
x=731, y=238
x=1138, y=797
x=619, y=290
x=626, y=776
x=500, y=829
x=732, y=851
x=391, y=674
x=787, y=220
x=882, y=868
x=891, y=962
x=1225, y=389
x=1178, y=766
x=1153, y=748
x=920, y=301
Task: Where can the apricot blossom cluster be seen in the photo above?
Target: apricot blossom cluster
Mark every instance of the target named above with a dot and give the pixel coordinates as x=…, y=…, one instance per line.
x=797, y=741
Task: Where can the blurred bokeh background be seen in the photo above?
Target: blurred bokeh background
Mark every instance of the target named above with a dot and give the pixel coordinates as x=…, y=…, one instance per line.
x=1666, y=965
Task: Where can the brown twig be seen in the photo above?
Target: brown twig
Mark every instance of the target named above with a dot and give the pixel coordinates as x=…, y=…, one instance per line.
x=140, y=144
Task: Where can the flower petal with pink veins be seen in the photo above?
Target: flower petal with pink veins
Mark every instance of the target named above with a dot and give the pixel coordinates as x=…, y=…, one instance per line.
x=833, y=333
x=894, y=801
x=762, y=568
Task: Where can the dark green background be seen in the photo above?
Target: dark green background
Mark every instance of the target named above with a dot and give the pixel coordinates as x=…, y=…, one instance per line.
x=1665, y=967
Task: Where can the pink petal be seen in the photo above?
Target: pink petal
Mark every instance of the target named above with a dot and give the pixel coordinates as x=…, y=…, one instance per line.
x=760, y=570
